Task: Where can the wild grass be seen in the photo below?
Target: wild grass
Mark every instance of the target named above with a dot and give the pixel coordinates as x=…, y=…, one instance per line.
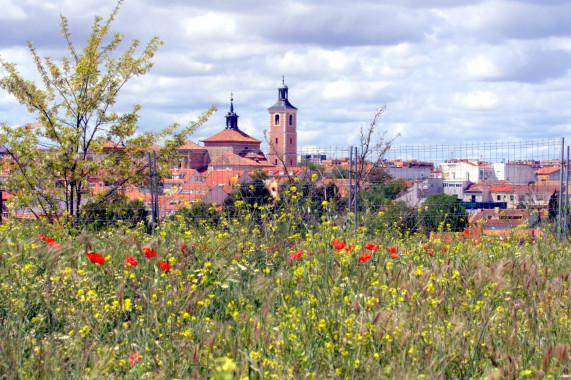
x=241, y=301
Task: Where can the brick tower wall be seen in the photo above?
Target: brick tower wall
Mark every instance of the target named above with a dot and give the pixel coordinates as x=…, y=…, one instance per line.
x=286, y=137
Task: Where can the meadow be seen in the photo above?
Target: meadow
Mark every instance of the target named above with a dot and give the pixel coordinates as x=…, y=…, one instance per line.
x=279, y=300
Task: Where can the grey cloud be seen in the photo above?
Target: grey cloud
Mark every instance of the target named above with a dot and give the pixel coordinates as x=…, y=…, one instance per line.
x=341, y=26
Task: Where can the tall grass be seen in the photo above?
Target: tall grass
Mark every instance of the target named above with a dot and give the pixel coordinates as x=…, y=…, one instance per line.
x=238, y=302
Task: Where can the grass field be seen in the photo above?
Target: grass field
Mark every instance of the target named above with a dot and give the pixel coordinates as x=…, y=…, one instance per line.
x=241, y=301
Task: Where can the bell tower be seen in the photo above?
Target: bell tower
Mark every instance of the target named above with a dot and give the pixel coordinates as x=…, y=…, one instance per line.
x=283, y=130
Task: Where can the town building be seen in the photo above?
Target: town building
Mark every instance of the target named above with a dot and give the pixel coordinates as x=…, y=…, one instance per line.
x=283, y=130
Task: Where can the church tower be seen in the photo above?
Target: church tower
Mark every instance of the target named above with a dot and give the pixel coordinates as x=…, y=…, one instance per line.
x=283, y=130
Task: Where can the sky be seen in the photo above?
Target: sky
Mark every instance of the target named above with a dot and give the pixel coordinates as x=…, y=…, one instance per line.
x=448, y=71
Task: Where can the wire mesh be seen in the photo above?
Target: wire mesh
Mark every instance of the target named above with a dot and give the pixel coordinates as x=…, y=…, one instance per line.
x=488, y=187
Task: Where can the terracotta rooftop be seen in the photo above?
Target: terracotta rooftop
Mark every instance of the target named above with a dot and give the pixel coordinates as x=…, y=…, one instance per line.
x=547, y=170
x=231, y=135
x=189, y=145
x=231, y=159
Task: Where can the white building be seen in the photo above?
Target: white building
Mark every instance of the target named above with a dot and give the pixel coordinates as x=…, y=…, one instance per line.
x=473, y=171
x=516, y=173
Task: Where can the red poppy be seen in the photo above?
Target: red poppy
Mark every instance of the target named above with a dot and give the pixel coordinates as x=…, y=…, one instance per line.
x=165, y=267
x=131, y=262
x=372, y=247
x=444, y=249
x=42, y=237
x=364, y=257
x=183, y=248
x=134, y=358
x=237, y=257
x=203, y=247
x=467, y=232
x=394, y=256
x=149, y=253
x=96, y=258
x=338, y=244
x=52, y=242
x=296, y=255
x=392, y=250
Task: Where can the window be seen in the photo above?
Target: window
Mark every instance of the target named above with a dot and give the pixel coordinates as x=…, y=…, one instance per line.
x=276, y=140
x=290, y=119
x=276, y=162
x=499, y=197
x=277, y=119
x=290, y=140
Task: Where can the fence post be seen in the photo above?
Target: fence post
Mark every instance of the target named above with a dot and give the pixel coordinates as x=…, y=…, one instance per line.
x=156, y=189
x=560, y=203
x=151, y=182
x=356, y=192
x=566, y=210
x=350, y=200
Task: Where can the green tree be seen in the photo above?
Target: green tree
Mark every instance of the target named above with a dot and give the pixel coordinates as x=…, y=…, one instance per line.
x=199, y=214
x=441, y=211
x=249, y=196
x=117, y=208
x=378, y=193
x=81, y=134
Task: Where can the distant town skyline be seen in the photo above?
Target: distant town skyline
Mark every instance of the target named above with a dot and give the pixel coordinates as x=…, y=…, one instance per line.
x=448, y=71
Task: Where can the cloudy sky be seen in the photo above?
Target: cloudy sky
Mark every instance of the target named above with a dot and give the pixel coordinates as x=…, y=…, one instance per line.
x=448, y=71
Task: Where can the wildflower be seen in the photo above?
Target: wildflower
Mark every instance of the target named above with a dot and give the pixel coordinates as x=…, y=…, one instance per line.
x=372, y=247
x=42, y=237
x=444, y=249
x=50, y=241
x=131, y=262
x=394, y=256
x=165, y=267
x=149, y=253
x=134, y=358
x=364, y=257
x=96, y=258
x=467, y=232
x=296, y=255
x=392, y=250
x=183, y=248
x=338, y=244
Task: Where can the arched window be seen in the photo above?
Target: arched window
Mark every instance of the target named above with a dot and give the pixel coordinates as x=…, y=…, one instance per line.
x=290, y=119
x=277, y=119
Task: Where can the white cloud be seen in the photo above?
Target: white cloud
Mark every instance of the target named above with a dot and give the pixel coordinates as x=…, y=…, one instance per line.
x=210, y=26
x=11, y=11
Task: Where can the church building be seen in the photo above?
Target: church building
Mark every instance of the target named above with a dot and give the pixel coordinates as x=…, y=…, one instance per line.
x=234, y=149
x=283, y=130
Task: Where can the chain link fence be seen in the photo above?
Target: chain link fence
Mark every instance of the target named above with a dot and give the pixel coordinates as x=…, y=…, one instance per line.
x=490, y=188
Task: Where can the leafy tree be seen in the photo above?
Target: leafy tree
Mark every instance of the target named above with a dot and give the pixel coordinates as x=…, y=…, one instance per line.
x=395, y=216
x=338, y=173
x=317, y=168
x=445, y=212
x=81, y=134
x=251, y=195
x=553, y=206
x=117, y=208
x=199, y=214
x=377, y=193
